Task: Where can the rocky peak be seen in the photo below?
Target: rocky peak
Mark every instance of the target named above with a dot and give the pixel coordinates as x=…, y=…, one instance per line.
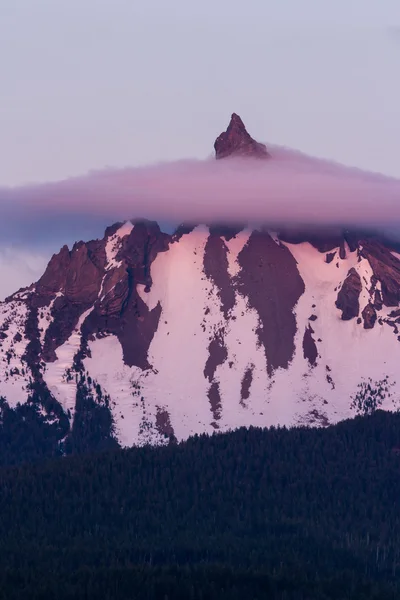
x=236, y=141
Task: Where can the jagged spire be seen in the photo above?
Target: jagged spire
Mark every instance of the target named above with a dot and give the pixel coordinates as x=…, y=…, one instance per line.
x=236, y=141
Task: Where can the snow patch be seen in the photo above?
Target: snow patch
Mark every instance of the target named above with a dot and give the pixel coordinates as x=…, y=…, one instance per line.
x=235, y=246
x=134, y=423
x=44, y=318
x=59, y=383
x=14, y=373
x=114, y=243
x=179, y=350
x=347, y=353
x=395, y=254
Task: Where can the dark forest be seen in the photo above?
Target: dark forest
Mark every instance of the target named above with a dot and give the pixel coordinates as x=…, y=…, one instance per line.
x=288, y=514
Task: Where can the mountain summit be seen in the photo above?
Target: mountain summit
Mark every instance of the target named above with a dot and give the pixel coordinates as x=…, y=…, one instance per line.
x=236, y=141
x=144, y=337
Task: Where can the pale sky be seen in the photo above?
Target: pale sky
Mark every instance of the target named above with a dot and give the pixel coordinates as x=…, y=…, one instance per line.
x=92, y=83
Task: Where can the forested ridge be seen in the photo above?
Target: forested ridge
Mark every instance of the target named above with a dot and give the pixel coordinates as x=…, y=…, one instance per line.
x=299, y=514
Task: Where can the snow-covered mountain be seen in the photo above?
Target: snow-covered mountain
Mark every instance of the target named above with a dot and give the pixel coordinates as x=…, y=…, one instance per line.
x=142, y=337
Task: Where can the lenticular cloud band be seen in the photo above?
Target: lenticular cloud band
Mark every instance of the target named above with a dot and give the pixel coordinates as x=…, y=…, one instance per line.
x=288, y=188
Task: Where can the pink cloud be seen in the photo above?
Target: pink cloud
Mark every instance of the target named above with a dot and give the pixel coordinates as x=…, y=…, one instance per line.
x=289, y=188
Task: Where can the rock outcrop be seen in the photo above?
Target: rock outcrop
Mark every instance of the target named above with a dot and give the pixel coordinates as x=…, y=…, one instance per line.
x=348, y=296
x=270, y=280
x=237, y=142
x=386, y=269
x=369, y=316
x=310, y=350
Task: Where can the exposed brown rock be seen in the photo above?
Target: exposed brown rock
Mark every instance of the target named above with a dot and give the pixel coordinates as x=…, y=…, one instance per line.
x=235, y=141
x=84, y=276
x=324, y=239
x=271, y=282
x=163, y=423
x=353, y=239
x=111, y=229
x=54, y=278
x=226, y=231
x=310, y=351
x=369, y=316
x=134, y=326
x=216, y=269
x=80, y=275
x=77, y=275
x=214, y=398
x=329, y=378
x=246, y=384
x=217, y=355
x=122, y=311
x=115, y=291
x=330, y=256
x=181, y=230
x=378, y=302
x=140, y=248
x=348, y=296
x=65, y=317
x=33, y=348
x=386, y=269
x=39, y=394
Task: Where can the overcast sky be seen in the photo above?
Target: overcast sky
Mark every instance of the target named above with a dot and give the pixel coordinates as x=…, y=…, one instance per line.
x=93, y=83
x=88, y=84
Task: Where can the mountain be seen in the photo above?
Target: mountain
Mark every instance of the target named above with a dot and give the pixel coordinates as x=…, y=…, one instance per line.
x=147, y=337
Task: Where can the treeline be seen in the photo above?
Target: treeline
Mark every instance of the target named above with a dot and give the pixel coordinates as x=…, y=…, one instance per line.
x=300, y=514
x=28, y=433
